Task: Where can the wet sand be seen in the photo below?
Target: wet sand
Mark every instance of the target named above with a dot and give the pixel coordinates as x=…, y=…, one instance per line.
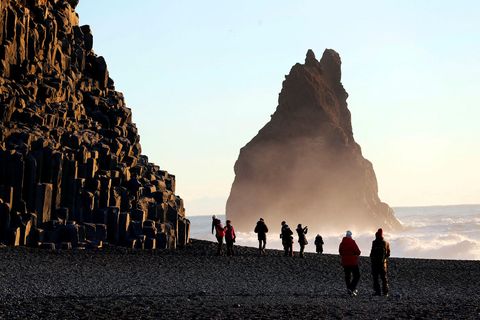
x=193, y=283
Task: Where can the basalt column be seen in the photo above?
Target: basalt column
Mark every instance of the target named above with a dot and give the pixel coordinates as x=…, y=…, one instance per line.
x=72, y=173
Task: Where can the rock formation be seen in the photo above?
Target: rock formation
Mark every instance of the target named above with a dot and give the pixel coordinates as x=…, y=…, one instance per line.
x=71, y=169
x=304, y=166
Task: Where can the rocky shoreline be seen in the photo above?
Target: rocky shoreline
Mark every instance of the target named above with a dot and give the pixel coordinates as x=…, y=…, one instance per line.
x=193, y=283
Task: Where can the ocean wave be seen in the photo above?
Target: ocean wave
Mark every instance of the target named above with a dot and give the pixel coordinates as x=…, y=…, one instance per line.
x=443, y=233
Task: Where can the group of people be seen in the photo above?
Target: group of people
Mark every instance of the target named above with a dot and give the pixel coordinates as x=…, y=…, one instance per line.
x=348, y=249
x=261, y=229
x=379, y=255
x=286, y=234
x=227, y=232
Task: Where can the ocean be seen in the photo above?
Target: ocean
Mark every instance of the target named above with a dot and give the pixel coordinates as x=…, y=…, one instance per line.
x=434, y=232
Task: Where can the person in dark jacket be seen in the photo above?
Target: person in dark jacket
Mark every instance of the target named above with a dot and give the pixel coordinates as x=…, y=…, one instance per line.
x=229, y=237
x=219, y=233
x=261, y=230
x=379, y=255
x=302, y=239
x=319, y=244
x=350, y=252
x=286, y=235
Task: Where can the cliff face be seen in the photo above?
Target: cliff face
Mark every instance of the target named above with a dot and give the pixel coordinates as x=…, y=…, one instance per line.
x=304, y=166
x=71, y=169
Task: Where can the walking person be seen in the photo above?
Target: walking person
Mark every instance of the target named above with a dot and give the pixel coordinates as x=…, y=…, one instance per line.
x=350, y=252
x=302, y=239
x=219, y=233
x=261, y=230
x=379, y=255
x=286, y=235
x=229, y=237
x=319, y=244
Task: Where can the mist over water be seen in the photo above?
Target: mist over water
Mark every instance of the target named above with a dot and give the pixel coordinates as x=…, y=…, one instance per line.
x=437, y=232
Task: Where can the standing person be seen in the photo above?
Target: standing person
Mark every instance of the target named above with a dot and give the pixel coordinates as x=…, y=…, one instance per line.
x=261, y=230
x=287, y=239
x=302, y=239
x=349, y=252
x=219, y=233
x=229, y=237
x=379, y=257
x=319, y=244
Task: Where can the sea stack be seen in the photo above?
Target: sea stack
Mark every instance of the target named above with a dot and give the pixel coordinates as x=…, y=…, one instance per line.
x=71, y=169
x=304, y=165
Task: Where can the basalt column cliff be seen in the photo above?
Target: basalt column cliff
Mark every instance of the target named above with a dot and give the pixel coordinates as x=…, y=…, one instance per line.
x=71, y=169
x=304, y=165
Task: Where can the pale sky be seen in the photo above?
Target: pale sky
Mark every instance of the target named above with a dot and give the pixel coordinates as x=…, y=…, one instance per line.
x=202, y=77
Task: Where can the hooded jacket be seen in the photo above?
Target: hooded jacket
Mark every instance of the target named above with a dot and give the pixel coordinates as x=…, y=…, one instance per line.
x=286, y=235
x=349, y=252
x=380, y=251
x=261, y=229
x=230, y=233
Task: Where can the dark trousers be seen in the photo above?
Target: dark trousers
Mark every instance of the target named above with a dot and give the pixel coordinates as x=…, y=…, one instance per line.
x=380, y=271
x=319, y=248
x=229, y=247
x=349, y=272
x=302, y=249
x=261, y=244
x=288, y=249
x=220, y=245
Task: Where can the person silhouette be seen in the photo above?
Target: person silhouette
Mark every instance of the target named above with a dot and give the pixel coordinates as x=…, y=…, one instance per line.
x=302, y=239
x=229, y=237
x=219, y=233
x=261, y=230
x=379, y=255
x=286, y=235
x=319, y=244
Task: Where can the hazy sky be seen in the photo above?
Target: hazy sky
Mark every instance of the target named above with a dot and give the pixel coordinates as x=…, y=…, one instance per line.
x=202, y=77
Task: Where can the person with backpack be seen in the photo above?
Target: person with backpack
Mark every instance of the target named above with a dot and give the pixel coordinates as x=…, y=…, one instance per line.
x=302, y=239
x=219, y=233
x=379, y=255
x=319, y=244
x=229, y=237
x=286, y=235
x=261, y=230
x=350, y=252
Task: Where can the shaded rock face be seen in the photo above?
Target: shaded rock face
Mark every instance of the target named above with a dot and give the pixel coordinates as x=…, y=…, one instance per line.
x=304, y=166
x=71, y=169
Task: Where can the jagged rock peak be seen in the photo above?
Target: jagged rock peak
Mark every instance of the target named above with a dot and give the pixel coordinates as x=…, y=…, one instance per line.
x=332, y=64
x=304, y=165
x=310, y=58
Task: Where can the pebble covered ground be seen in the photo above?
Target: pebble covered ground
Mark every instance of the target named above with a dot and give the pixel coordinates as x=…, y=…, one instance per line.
x=193, y=283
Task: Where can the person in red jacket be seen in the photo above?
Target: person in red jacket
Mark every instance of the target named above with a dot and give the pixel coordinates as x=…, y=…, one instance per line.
x=350, y=252
x=219, y=233
x=229, y=237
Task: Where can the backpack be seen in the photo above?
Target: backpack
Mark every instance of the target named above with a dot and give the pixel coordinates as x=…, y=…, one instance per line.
x=287, y=234
x=379, y=251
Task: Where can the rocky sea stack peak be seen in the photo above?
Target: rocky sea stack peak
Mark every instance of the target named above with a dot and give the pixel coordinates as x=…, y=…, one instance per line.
x=304, y=166
x=72, y=173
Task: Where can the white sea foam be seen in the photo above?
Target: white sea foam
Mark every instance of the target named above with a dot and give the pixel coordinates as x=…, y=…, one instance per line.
x=441, y=232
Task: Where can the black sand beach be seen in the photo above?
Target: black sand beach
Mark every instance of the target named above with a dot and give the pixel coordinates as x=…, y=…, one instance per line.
x=194, y=284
